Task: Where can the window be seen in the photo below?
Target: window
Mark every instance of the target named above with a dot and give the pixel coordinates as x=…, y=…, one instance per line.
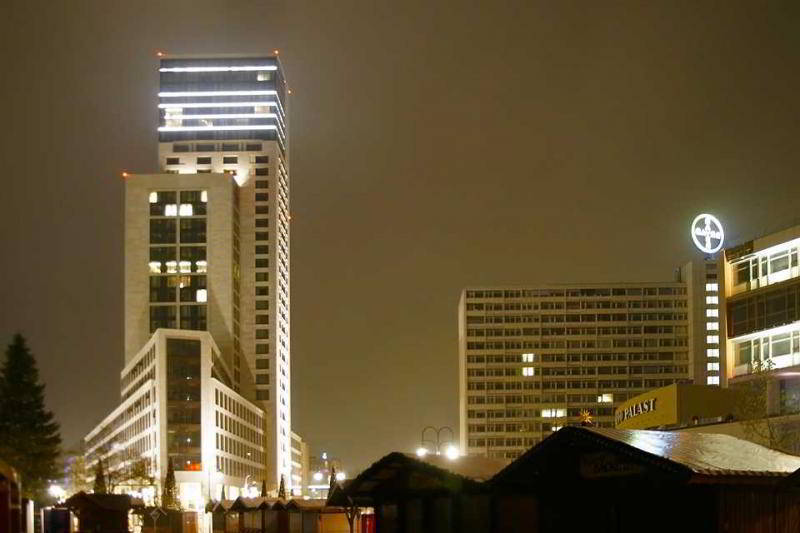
x=262, y=362
x=712, y=313
x=262, y=334
x=712, y=380
x=262, y=262
x=230, y=147
x=262, y=236
x=262, y=305
x=712, y=326
x=181, y=148
x=262, y=379
x=262, y=159
x=554, y=413
x=173, y=160
x=527, y=371
x=262, y=249
x=262, y=348
x=714, y=300
x=527, y=358
x=262, y=172
x=253, y=147
x=193, y=317
x=262, y=222
x=712, y=366
x=204, y=148
x=712, y=287
x=262, y=209
x=712, y=352
x=262, y=276
x=162, y=231
x=262, y=395
x=712, y=339
x=193, y=230
x=605, y=398
x=203, y=160
x=262, y=184
x=230, y=160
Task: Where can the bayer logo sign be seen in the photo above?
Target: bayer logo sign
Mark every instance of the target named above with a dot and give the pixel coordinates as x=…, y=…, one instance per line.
x=707, y=233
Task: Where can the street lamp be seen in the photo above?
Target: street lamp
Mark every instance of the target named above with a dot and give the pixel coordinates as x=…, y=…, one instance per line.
x=452, y=452
x=437, y=444
x=57, y=492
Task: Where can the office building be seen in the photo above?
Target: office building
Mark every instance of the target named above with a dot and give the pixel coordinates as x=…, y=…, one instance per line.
x=533, y=359
x=207, y=263
x=762, y=299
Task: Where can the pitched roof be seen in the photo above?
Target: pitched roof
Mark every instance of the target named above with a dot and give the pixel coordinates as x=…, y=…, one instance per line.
x=707, y=453
x=108, y=502
x=692, y=457
x=399, y=474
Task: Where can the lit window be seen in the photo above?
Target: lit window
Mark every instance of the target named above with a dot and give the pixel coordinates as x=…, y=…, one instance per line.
x=202, y=295
x=154, y=197
x=202, y=266
x=555, y=428
x=712, y=366
x=204, y=196
x=605, y=398
x=155, y=267
x=172, y=267
x=712, y=299
x=527, y=371
x=171, y=210
x=554, y=413
x=712, y=352
x=185, y=266
x=712, y=339
x=712, y=287
x=712, y=326
x=527, y=358
x=712, y=313
x=186, y=210
x=712, y=380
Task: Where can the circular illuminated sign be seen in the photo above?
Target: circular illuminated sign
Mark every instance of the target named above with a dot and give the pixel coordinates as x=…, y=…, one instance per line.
x=707, y=233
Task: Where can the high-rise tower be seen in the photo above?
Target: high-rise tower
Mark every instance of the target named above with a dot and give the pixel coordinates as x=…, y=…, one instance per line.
x=228, y=115
x=206, y=382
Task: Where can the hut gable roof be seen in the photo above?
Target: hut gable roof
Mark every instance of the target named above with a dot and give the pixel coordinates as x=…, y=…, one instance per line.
x=398, y=474
x=684, y=457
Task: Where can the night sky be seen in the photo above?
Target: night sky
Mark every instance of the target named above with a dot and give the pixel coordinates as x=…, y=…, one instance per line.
x=434, y=145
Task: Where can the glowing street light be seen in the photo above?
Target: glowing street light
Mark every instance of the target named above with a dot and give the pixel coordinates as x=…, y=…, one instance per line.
x=317, y=476
x=422, y=452
x=340, y=476
x=57, y=492
x=452, y=453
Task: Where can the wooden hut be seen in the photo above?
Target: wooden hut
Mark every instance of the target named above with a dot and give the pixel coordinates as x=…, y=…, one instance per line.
x=596, y=479
x=101, y=512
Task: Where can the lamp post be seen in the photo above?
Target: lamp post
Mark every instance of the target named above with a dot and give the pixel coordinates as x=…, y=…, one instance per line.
x=437, y=444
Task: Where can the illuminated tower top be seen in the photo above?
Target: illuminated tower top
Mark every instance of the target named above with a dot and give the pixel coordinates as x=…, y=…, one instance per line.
x=222, y=98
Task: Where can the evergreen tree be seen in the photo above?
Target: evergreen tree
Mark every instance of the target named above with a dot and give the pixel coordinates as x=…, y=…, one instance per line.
x=99, y=478
x=282, y=489
x=263, y=488
x=29, y=437
x=169, y=492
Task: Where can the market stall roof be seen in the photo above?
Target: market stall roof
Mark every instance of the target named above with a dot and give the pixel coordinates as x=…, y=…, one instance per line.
x=685, y=457
x=398, y=475
x=106, y=502
x=252, y=504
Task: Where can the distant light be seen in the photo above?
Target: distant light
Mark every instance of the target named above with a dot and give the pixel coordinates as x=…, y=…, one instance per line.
x=56, y=492
x=276, y=51
x=125, y=174
x=159, y=53
x=422, y=452
x=324, y=455
x=317, y=476
x=289, y=91
x=452, y=452
x=340, y=476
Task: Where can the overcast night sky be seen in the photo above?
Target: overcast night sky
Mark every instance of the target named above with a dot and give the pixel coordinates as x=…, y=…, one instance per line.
x=434, y=145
